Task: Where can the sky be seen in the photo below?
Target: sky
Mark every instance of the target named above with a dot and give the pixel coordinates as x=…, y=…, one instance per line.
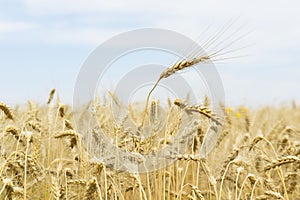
x=43, y=43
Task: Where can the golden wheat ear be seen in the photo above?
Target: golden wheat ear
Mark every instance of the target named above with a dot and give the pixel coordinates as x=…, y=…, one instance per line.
x=203, y=110
x=51, y=95
x=6, y=111
x=179, y=66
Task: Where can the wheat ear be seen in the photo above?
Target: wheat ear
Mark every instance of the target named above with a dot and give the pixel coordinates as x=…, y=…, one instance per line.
x=6, y=111
x=51, y=95
x=203, y=110
x=282, y=161
x=14, y=131
x=182, y=64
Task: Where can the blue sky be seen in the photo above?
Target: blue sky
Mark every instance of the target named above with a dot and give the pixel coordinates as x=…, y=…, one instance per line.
x=43, y=43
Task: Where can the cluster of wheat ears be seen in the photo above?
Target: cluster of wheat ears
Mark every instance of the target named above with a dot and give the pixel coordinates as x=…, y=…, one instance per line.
x=257, y=155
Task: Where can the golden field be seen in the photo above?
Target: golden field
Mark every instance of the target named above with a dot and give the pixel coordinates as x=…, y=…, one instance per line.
x=257, y=155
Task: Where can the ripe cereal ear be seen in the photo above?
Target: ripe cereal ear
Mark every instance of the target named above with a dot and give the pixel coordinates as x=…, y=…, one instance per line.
x=6, y=111
x=51, y=95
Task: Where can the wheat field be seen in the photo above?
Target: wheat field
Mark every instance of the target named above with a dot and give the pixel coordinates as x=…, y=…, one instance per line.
x=257, y=155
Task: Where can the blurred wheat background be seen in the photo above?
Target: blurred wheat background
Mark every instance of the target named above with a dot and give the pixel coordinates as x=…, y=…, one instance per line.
x=42, y=156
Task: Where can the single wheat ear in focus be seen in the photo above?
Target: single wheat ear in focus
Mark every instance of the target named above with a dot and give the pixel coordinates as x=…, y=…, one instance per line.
x=215, y=50
x=179, y=66
x=6, y=111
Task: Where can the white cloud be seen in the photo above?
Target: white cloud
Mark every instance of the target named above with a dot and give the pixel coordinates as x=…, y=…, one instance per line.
x=82, y=6
x=254, y=9
x=87, y=36
x=11, y=26
x=274, y=22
